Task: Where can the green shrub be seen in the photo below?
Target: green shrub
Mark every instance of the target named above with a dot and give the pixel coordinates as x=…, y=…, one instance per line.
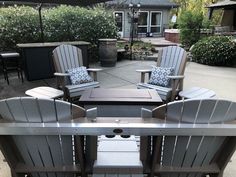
x=215, y=50
x=18, y=25
x=190, y=24
x=66, y=23
x=63, y=23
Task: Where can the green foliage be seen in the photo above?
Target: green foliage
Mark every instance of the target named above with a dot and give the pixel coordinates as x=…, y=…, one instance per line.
x=199, y=7
x=215, y=50
x=140, y=49
x=206, y=23
x=190, y=24
x=63, y=23
x=19, y=24
x=217, y=16
x=74, y=23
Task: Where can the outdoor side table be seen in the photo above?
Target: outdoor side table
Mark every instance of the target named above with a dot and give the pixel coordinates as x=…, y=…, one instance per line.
x=45, y=92
x=197, y=93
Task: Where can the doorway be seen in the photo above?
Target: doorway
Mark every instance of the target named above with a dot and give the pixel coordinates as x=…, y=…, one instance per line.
x=119, y=18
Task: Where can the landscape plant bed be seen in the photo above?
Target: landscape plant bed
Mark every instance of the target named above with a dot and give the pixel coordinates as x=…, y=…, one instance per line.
x=140, y=50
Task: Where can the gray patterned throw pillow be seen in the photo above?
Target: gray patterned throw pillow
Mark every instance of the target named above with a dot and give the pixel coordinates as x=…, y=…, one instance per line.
x=159, y=76
x=79, y=75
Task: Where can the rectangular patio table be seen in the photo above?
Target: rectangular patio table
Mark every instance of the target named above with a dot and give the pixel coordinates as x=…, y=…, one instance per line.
x=119, y=154
x=120, y=102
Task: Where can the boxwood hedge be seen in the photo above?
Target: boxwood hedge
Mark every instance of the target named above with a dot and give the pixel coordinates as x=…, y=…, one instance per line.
x=62, y=23
x=18, y=25
x=215, y=51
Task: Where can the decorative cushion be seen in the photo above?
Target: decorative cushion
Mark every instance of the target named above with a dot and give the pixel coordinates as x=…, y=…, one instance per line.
x=79, y=75
x=159, y=76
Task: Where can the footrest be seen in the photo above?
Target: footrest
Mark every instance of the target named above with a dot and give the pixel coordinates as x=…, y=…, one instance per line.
x=117, y=175
x=118, y=155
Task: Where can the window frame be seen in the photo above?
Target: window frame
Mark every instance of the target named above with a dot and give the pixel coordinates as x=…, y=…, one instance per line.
x=147, y=26
x=150, y=22
x=123, y=19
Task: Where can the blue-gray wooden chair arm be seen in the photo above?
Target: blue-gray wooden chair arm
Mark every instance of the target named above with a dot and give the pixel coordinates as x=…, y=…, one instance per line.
x=143, y=73
x=94, y=69
x=61, y=80
x=176, y=77
x=176, y=84
x=61, y=74
x=93, y=72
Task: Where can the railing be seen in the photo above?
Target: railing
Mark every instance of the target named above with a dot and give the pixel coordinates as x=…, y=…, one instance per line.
x=118, y=126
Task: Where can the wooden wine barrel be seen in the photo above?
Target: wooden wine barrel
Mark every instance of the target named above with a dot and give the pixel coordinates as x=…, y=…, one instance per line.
x=108, y=52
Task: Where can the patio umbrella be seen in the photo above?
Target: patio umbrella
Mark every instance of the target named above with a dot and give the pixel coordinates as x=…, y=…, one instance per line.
x=68, y=2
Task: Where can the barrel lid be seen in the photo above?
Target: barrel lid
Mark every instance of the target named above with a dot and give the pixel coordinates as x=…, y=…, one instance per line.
x=108, y=40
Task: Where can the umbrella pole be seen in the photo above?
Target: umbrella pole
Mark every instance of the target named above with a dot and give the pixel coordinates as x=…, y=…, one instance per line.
x=41, y=22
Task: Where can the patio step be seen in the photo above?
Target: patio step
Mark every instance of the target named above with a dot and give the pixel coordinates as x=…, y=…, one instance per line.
x=163, y=44
x=153, y=57
x=159, y=42
x=117, y=156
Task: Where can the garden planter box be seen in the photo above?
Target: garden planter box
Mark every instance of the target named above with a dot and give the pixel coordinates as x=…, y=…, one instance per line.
x=172, y=35
x=37, y=58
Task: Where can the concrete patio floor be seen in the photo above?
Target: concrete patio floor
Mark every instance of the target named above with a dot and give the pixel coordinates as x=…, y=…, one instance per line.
x=220, y=79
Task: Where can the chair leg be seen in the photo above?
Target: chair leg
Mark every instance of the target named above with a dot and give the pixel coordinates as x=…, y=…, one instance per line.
x=5, y=77
x=20, y=75
x=22, y=78
x=6, y=74
x=5, y=71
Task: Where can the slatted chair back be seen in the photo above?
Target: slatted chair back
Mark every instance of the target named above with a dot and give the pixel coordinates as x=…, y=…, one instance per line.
x=41, y=156
x=173, y=56
x=66, y=57
x=194, y=156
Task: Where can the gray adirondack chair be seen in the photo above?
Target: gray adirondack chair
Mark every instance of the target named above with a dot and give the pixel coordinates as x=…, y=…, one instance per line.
x=67, y=57
x=172, y=56
x=42, y=156
x=193, y=156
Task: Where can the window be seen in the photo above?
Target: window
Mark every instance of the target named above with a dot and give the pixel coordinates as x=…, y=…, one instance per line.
x=155, y=22
x=119, y=20
x=143, y=22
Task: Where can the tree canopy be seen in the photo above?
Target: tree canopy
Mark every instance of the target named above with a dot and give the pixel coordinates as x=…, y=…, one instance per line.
x=194, y=5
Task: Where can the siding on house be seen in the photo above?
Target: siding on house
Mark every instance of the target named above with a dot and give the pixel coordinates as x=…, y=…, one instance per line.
x=127, y=21
x=162, y=6
x=150, y=3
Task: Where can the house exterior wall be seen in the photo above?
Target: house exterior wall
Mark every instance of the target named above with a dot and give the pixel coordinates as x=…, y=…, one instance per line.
x=227, y=19
x=127, y=20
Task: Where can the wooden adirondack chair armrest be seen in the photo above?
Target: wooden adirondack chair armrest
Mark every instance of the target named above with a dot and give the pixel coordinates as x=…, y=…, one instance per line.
x=144, y=70
x=94, y=69
x=143, y=73
x=61, y=80
x=61, y=74
x=176, y=82
x=176, y=77
x=93, y=72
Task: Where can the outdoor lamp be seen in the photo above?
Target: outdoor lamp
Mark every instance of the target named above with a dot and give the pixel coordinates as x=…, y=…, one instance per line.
x=134, y=15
